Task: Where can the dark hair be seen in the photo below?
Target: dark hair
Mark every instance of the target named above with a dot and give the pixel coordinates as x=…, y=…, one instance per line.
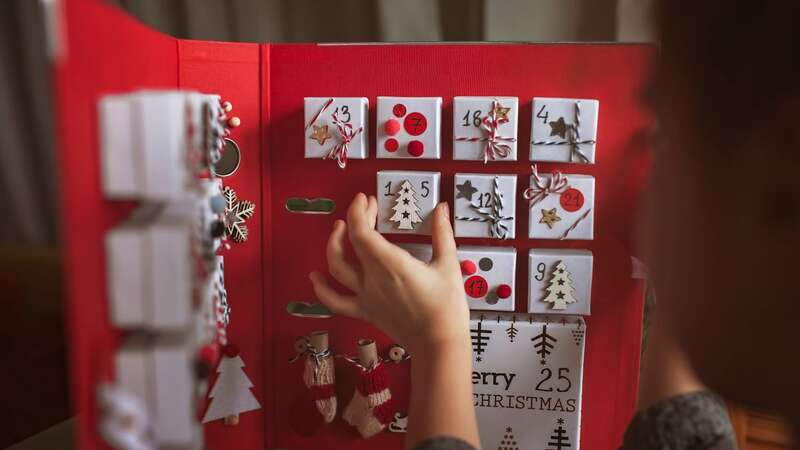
x=737, y=61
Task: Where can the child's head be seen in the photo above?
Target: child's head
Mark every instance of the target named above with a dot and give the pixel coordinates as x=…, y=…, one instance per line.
x=721, y=227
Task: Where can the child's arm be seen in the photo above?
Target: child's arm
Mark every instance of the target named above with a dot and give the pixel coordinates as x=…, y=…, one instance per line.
x=421, y=306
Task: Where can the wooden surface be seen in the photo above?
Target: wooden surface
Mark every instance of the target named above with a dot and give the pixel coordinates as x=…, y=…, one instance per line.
x=756, y=430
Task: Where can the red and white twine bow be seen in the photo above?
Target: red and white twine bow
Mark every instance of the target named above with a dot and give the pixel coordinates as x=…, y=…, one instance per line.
x=556, y=183
x=494, y=147
x=347, y=133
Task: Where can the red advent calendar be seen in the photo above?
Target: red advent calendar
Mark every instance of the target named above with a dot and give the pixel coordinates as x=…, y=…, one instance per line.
x=538, y=148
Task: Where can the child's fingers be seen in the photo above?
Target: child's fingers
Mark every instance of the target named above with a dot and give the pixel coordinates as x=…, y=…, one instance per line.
x=372, y=211
x=442, y=241
x=339, y=304
x=338, y=266
x=369, y=245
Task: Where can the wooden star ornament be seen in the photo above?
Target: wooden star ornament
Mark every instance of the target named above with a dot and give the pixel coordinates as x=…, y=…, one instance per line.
x=501, y=112
x=559, y=128
x=320, y=134
x=549, y=217
x=236, y=213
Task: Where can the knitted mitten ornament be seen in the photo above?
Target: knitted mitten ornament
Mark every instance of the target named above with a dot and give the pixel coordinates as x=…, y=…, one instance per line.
x=370, y=409
x=319, y=375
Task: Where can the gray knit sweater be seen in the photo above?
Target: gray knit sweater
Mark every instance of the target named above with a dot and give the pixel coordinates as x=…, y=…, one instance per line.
x=696, y=421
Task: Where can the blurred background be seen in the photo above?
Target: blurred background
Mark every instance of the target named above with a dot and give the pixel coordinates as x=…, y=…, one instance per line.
x=34, y=381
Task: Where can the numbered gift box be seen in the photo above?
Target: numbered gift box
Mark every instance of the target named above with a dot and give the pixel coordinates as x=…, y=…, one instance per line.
x=560, y=281
x=336, y=128
x=485, y=128
x=564, y=130
x=143, y=142
x=561, y=206
x=527, y=379
x=409, y=127
x=484, y=205
x=488, y=274
x=406, y=200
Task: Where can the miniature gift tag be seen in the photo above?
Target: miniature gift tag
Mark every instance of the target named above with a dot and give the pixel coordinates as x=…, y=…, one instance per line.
x=559, y=281
x=406, y=200
x=336, y=128
x=409, y=127
x=488, y=274
x=484, y=205
x=561, y=206
x=564, y=130
x=485, y=128
x=527, y=379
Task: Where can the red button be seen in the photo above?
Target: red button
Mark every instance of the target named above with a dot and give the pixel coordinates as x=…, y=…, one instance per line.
x=468, y=267
x=399, y=110
x=503, y=291
x=391, y=127
x=416, y=148
x=476, y=286
x=572, y=200
x=230, y=350
x=391, y=145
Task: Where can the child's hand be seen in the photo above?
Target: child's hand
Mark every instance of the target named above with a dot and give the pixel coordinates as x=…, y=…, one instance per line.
x=420, y=305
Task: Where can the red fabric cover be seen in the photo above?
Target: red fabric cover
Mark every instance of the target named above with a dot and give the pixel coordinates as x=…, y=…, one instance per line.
x=107, y=52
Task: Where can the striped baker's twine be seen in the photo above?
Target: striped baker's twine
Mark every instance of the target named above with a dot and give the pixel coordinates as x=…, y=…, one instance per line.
x=494, y=148
x=491, y=215
x=574, y=224
x=312, y=353
x=325, y=106
x=347, y=133
x=358, y=364
x=556, y=183
x=573, y=138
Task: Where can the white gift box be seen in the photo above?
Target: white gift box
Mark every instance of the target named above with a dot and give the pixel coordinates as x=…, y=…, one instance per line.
x=150, y=271
x=527, y=380
x=329, y=121
x=482, y=121
x=474, y=208
x=406, y=209
x=158, y=372
x=144, y=142
x=564, y=130
x=409, y=127
x=568, y=214
x=484, y=271
x=489, y=274
x=560, y=281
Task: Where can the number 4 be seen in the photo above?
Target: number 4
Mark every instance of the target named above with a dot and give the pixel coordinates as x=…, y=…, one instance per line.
x=543, y=117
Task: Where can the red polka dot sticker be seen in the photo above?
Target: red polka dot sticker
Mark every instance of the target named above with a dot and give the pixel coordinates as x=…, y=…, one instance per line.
x=572, y=200
x=399, y=110
x=391, y=145
x=476, y=286
x=415, y=124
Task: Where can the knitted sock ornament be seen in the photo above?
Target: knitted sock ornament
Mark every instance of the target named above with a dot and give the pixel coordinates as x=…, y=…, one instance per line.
x=370, y=409
x=318, y=375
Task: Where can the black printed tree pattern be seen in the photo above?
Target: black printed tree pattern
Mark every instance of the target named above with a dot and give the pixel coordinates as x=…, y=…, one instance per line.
x=544, y=344
x=509, y=442
x=511, y=331
x=560, y=439
x=480, y=338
